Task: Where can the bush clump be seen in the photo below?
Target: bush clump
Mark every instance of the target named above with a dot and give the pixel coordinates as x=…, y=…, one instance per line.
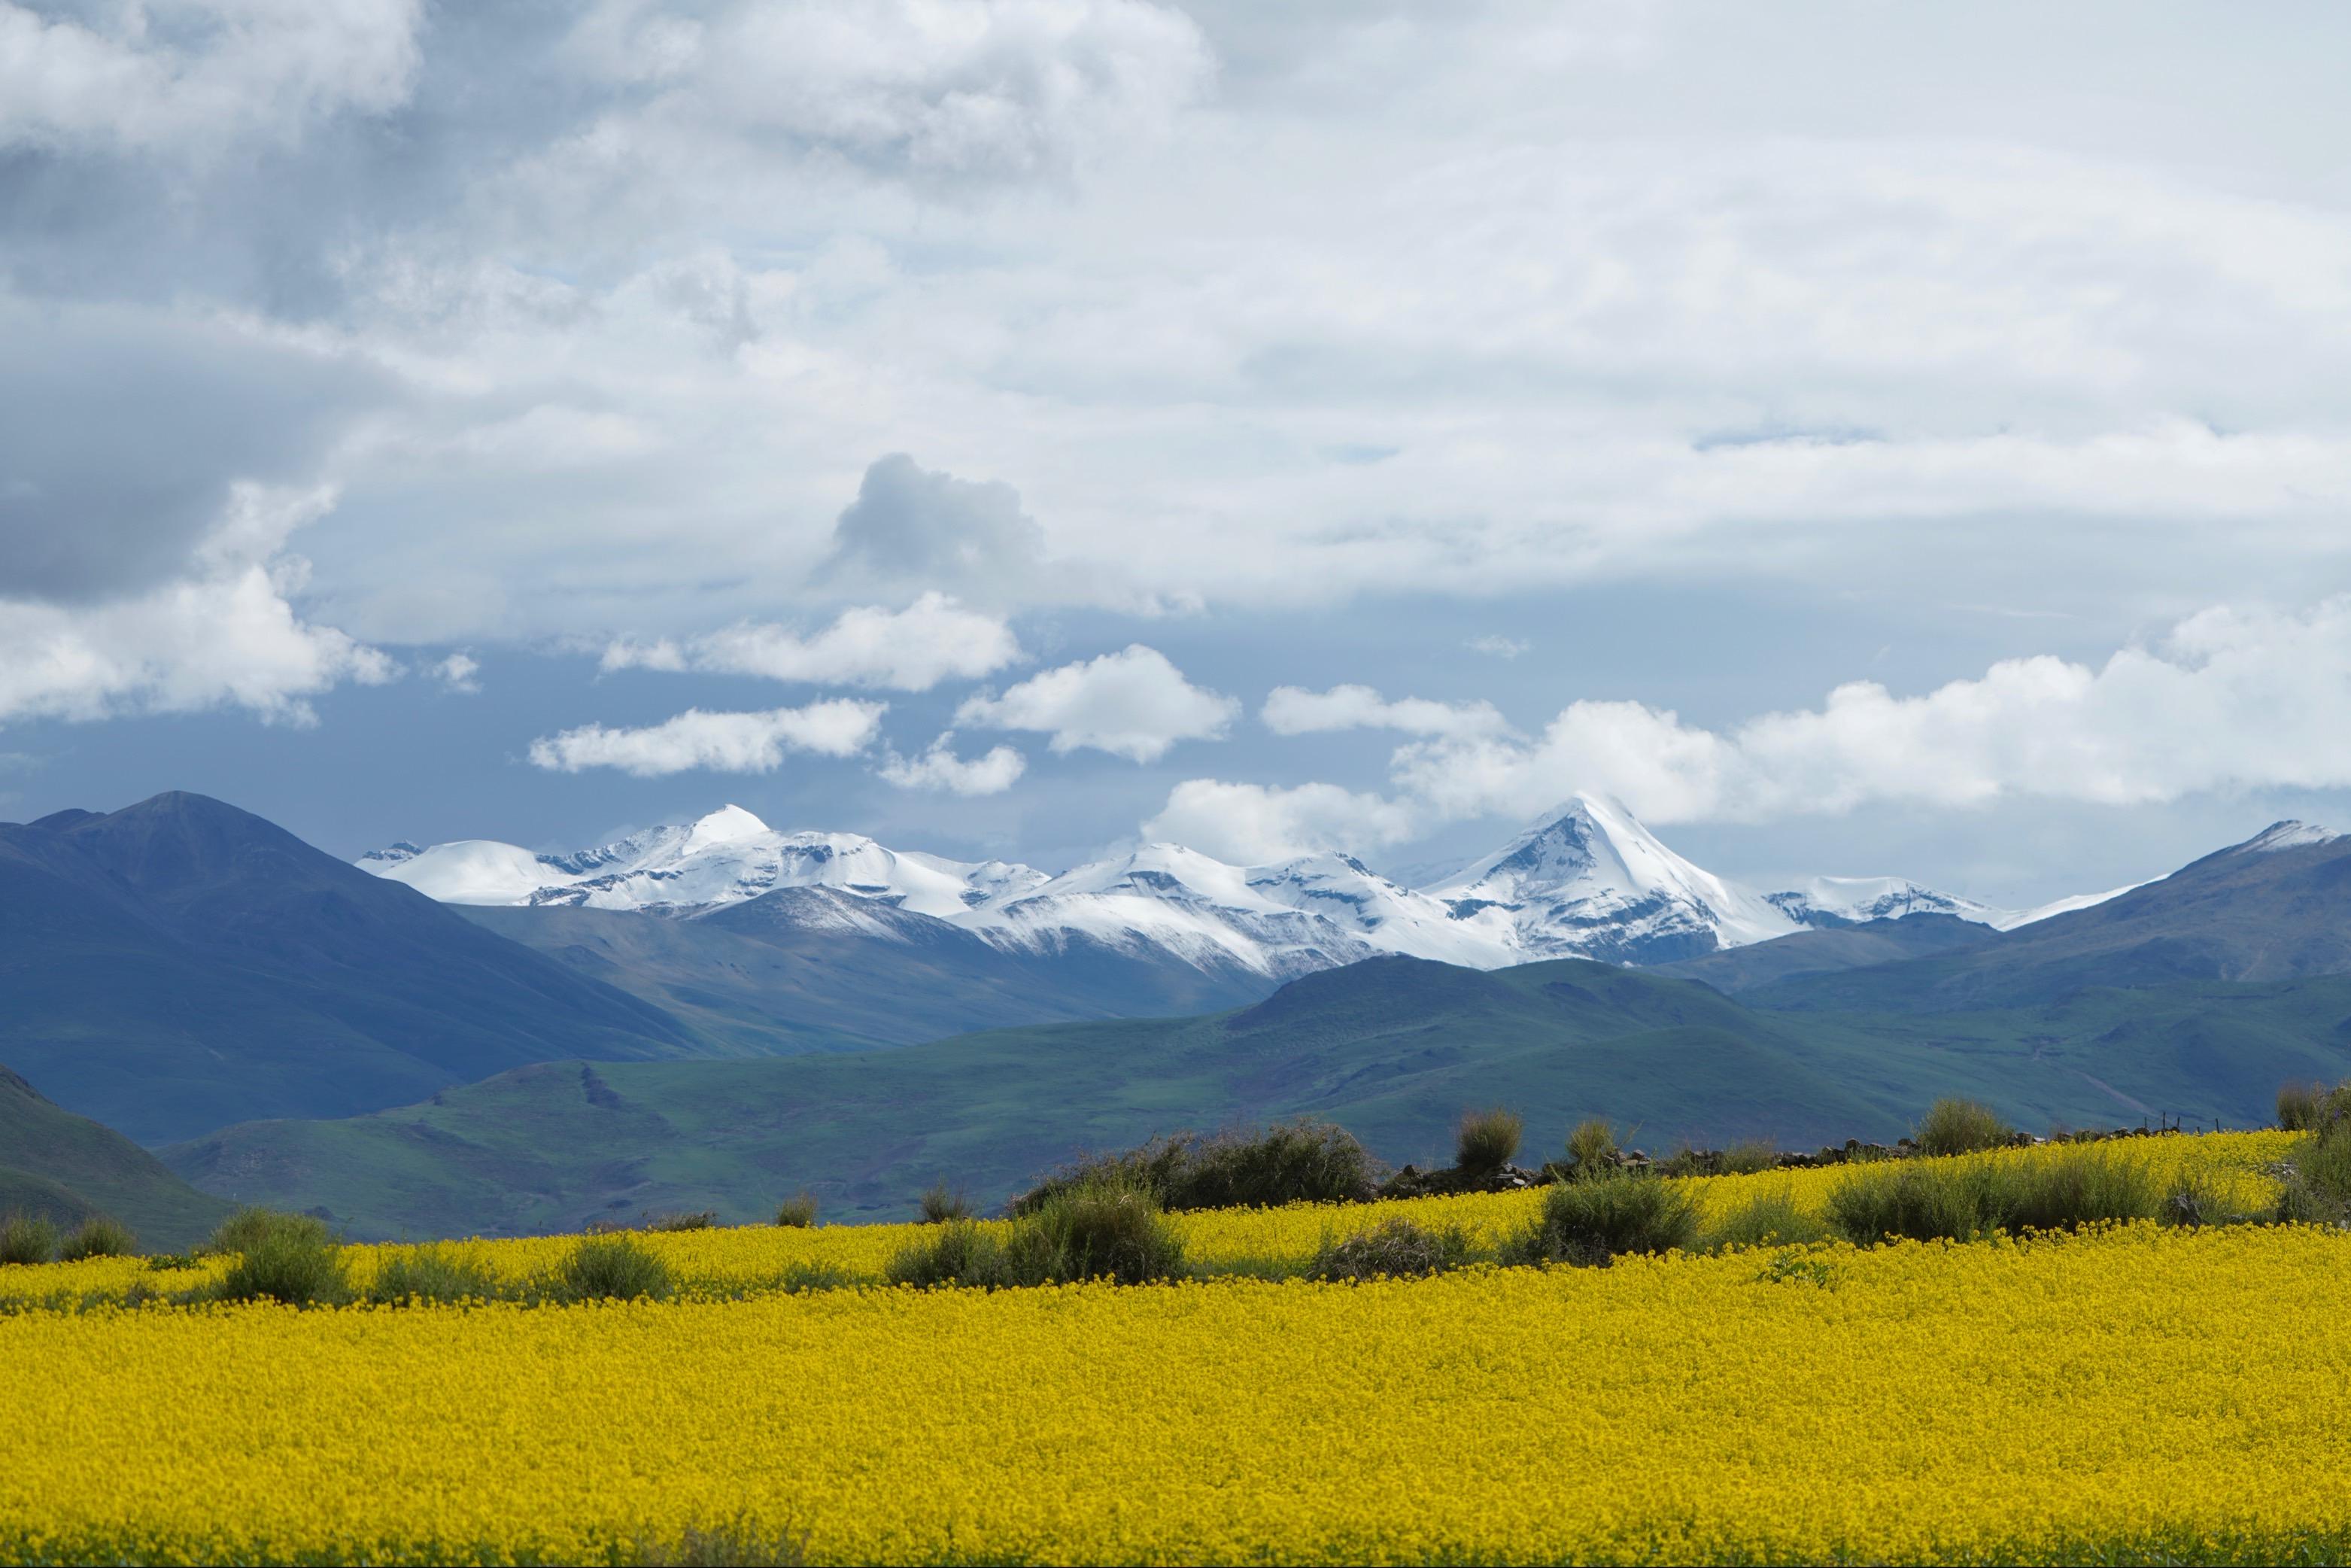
x=1102, y=1232
x=1301, y=1161
x=2060, y=1190
x=98, y=1236
x=942, y=1203
x=439, y=1274
x=797, y=1212
x=681, y=1220
x=2318, y=1176
x=2298, y=1105
x=296, y=1265
x=1393, y=1249
x=1591, y=1222
x=1962, y=1127
x=250, y=1228
x=1749, y=1156
x=1486, y=1141
x=1909, y=1201
x=28, y=1238
x=611, y=1268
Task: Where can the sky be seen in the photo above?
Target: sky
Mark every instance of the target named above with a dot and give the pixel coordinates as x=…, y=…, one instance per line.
x=1865, y=438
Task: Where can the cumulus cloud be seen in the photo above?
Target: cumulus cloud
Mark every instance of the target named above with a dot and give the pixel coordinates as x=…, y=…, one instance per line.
x=939, y=768
x=2229, y=699
x=189, y=75
x=910, y=524
x=1293, y=710
x=720, y=742
x=225, y=635
x=1251, y=824
x=910, y=649
x=460, y=673
x=1132, y=704
x=1497, y=646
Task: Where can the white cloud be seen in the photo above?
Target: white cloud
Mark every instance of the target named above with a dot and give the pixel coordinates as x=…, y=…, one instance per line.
x=1252, y=824
x=189, y=75
x=1132, y=704
x=938, y=768
x=910, y=650
x=460, y=673
x=225, y=635
x=1497, y=646
x=721, y=742
x=2230, y=700
x=1293, y=710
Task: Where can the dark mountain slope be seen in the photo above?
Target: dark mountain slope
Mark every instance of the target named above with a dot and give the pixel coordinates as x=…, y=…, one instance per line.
x=2277, y=907
x=1736, y=970
x=816, y=968
x=1394, y=1049
x=181, y=964
x=69, y=1167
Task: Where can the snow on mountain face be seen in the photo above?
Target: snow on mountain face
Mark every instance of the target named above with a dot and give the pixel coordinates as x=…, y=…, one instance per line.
x=1589, y=882
x=1592, y=883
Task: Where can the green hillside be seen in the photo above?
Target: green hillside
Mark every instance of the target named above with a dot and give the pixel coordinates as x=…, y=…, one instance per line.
x=1391, y=1048
x=69, y=1167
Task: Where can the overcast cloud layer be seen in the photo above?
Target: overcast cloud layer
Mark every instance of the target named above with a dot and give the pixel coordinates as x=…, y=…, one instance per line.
x=1968, y=391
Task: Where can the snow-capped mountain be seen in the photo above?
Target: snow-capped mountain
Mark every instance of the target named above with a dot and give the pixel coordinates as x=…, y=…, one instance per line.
x=724, y=858
x=1587, y=881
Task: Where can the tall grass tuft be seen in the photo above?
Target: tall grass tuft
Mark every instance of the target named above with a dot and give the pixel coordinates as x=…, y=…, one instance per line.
x=1591, y=1150
x=1750, y=1156
x=1301, y=1161
x=1590, y=1222
x=1486, y=1141
x=437, y=1274
x=797, y=1212
x=1770, y=1217
x=2080, y=1185
x=2298, y=1105
x=28, y=1238
x=1114, y=1233
x=959, y=1253
x=1908, y=1201
x=1962, y=1127
x=611, y=1268
x=942, y=1203
x=1393, y=1249
x=98, y=1236
x=680, y=1219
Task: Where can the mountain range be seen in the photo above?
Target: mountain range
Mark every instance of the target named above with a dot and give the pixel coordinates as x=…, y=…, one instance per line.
x=1588, y=880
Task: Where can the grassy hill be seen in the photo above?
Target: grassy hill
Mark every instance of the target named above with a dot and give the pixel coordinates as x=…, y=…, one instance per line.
x=69, y=1167
x=1392, y=1048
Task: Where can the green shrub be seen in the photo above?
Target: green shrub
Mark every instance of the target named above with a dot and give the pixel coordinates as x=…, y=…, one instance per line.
x=960, y=1252
x=797, y=1212
x=1393, y=1249
x=28, y=1238
x=249, y=1228
x=1486, y=1141
x=1909, y=1200
x=611, y=1268
x=1590, y=1222
x=291, y=1264
x=681, y=1220
x=941, y=1204
x=2063, y=1188
x=1771, y=1215
x=2194, y=1201
x=2297, y=1105
x=98, y=1236
x=1962, y=1127
x=1591, y=1150
x=1302, y=1161
x=438, y=1273
x=1113, y=1233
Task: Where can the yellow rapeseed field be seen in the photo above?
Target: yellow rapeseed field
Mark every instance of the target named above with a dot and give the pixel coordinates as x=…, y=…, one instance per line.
x=2128, y=1394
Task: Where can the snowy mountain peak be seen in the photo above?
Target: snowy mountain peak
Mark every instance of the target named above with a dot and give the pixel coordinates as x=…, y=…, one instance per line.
x=726, y=825
x=1852, y=900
